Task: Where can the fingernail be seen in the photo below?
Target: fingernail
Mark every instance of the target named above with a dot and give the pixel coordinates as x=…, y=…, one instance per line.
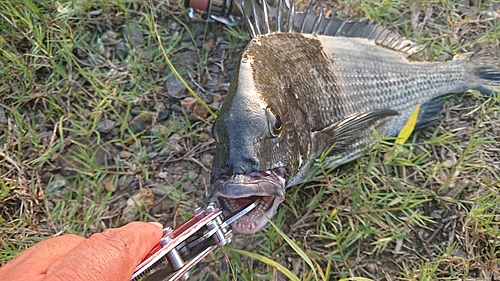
x=157, y=224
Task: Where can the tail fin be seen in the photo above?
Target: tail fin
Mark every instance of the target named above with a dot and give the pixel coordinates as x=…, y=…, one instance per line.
x=486, y=66
x=488, y=79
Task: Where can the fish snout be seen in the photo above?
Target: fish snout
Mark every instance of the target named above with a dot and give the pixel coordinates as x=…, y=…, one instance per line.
x=241, y=166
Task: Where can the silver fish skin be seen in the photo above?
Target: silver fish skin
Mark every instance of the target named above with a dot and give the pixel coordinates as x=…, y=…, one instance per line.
x=295, y=95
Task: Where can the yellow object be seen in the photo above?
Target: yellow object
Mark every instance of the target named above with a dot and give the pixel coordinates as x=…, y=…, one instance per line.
x=408, y=127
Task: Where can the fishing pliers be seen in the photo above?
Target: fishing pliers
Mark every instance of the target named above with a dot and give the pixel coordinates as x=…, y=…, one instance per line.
x=183, y=247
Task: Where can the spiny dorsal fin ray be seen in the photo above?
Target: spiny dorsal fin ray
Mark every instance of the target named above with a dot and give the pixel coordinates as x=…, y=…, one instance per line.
x=263, y=18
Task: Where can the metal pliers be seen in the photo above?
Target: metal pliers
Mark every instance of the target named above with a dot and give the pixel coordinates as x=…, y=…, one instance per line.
x=181, y=248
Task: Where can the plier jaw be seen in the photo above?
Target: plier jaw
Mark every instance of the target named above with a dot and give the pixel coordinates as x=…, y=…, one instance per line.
x=182, y=248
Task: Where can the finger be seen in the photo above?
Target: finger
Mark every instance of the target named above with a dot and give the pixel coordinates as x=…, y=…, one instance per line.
x=110, y=255
x=33, y=263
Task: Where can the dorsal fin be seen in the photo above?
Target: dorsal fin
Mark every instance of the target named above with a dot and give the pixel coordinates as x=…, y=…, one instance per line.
x=262, y=18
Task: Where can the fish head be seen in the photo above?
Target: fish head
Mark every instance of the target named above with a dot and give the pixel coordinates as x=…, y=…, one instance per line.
x=253, y=155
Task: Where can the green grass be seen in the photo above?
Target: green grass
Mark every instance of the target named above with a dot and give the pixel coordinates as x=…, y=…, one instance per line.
x=60, y=80
x=425, y=210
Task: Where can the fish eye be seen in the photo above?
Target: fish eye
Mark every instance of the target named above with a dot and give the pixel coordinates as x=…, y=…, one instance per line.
x=275, y=123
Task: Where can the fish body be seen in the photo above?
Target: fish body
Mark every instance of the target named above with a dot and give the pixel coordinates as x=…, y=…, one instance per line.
x=296, y=95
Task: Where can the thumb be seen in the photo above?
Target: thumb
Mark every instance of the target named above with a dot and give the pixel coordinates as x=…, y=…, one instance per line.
x=110, y=255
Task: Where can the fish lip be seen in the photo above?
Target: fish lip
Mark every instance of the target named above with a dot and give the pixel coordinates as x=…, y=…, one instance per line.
x=260, y=183
x=265, y=187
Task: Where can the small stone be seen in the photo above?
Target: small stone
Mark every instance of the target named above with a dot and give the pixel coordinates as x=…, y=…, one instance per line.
x=159, y=106
x=197, y=42
x=215, y=105
x=208, y=274
x=109, y=184
x=192, y=175
x=217, y=97
x=46, y=135
x=46, y=177
x=146, y=142
x=135, y=184
x=199, y=29
x=188, y=58
x=136, y=110
x=2, y=115
x=163, y=205
x=121, y=51
x=163, y=115
x=435, y=215
x=188, y=105
x=492, y=15
x=207, y=159
x=161, y=111
x=124, y=181
x=174, y=143
x=94, y=13
x=188, y=185
x=57, y=182
x=449, y=163
x=161, y=190
x=125, y=154
x=133, y=34
x=175, y=89
x=105, y=126
x=165, y=151
x=141, y=122
x=115, y=131
x=143, y=200
x=81, y=52
x=371, y=267
x=186, y=37
x=110, y=38
x=176, y=108
x=162, y=175
x=159, y=130
x=213, y=68
x=199, y=111
x=145, y=116
x=204, y=137
x=209, y=45
x=86, y=192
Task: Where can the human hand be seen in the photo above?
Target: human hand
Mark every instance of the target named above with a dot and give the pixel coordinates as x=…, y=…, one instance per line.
x=110, y=255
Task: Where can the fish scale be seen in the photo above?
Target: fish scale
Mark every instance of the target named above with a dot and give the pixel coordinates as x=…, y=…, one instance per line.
x=296, y=96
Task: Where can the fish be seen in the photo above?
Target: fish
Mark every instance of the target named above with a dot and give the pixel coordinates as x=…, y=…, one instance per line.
x=308, y=85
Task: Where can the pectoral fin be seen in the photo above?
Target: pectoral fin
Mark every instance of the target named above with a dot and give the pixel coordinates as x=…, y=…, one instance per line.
x=348, y=129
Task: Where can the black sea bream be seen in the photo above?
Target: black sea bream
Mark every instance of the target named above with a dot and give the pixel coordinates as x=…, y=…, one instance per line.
x=306, y=84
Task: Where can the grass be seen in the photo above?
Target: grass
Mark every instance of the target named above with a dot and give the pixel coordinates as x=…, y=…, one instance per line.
x=425, y=210
x=61, y=81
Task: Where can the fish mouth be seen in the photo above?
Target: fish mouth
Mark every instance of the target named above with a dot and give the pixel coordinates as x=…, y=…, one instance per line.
x=255, y=219
x=266, y=188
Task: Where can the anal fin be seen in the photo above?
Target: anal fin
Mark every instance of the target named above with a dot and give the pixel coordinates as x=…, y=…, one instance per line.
x=428, y=113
